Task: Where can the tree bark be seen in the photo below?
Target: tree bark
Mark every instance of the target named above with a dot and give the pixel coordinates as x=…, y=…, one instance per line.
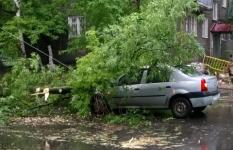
x=21, y=39
x=136, y=3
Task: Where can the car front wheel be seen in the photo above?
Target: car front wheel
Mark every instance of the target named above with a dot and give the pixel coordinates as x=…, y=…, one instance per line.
x=181, y=107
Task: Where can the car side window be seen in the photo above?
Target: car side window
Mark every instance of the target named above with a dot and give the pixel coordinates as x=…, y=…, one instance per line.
x=130, y=79
x=123, y=80
x=158, y=75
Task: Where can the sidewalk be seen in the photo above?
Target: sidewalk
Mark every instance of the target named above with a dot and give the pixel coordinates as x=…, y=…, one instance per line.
x=226, y=89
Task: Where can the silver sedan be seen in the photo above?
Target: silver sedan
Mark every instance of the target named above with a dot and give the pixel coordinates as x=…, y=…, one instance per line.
x=180, y=90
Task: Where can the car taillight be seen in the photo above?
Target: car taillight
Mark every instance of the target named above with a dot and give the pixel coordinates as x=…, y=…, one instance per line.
x=204, y=86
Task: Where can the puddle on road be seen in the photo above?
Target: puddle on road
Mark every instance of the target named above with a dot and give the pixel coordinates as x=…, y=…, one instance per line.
x=24, y=139
x=26, y=142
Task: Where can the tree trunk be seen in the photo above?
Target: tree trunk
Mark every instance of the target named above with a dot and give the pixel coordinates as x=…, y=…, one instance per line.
x=138, y=3
x=21, y=39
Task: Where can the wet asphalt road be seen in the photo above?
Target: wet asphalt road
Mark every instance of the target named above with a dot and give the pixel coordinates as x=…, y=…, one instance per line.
x=211, y=130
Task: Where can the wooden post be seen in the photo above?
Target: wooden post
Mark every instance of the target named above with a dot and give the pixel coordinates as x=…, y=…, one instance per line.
x=21, y=39
x=51, y=64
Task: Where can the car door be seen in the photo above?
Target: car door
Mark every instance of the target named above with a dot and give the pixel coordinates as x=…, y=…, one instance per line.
x=127, y=90
x=147, y=91
x=155, y=91
x=154, y=94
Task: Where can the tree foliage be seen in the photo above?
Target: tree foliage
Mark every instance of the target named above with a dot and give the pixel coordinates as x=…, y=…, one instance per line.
x=149, y=37
x=101, y=13
x=6, y=11
x=49, y=18
x=46, y=17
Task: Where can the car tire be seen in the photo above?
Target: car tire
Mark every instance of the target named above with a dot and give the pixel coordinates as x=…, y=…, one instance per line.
x=181, y=107
x=99, y=105
x=199, y=109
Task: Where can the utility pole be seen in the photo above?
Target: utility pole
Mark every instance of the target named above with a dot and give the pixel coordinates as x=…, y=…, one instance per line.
x=21, y=39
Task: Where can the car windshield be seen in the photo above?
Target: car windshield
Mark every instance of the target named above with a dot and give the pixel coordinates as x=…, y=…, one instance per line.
x=189, y=70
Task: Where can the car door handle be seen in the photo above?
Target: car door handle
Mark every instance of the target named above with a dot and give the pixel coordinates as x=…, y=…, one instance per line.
x=168, y=87
x=136, y=89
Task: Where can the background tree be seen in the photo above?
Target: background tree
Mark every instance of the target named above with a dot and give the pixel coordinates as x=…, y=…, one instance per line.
x=101, y=13
x=6, y=11
x=20, y=37
x=48, y=18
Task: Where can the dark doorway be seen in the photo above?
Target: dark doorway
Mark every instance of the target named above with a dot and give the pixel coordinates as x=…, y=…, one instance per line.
x=216, y=45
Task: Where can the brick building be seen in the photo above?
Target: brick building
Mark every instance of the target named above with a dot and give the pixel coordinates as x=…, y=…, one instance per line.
x=213, y=32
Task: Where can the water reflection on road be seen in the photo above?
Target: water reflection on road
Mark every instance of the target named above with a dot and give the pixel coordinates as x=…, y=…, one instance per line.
x=211, y=130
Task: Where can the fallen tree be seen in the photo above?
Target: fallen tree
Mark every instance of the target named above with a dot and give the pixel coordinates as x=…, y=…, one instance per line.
x=150, y=37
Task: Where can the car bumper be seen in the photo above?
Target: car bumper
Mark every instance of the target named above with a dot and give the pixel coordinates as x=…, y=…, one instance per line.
x=205, y=101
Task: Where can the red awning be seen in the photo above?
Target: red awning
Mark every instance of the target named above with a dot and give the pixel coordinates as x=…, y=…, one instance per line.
x=221, y=28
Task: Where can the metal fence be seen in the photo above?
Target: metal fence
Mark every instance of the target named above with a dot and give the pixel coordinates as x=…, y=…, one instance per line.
x=216, y=65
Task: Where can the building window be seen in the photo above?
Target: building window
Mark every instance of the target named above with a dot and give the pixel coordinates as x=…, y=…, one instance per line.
x=226, y=36
x=191, y=25
x=230, y=36
x=215, y=11
x=205, y=28
x=76, y=26
x=224, y=3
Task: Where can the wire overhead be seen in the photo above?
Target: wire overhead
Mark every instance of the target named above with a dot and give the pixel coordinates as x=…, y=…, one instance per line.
x=14, y=36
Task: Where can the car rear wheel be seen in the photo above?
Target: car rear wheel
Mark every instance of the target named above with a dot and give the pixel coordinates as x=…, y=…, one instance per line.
x=181, y=107
x=199, y=109
x=99, y=105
